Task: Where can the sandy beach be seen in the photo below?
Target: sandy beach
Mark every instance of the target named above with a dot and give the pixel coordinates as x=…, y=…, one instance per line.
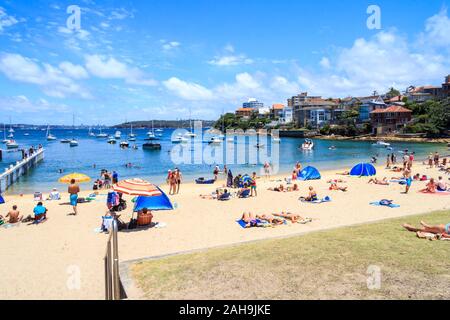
x=42, y=261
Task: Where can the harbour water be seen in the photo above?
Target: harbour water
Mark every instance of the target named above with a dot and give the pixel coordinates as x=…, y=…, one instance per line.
x=94, y=154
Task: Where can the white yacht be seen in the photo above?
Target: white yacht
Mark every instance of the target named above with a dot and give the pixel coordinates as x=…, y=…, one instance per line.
x=12, y=144
x=101, y=134
x=117, y=135
x=50, y=137
x=381, y=144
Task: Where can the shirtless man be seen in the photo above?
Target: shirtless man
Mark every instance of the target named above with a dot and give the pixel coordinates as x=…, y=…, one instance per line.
x=73, y=191
x=14, y=215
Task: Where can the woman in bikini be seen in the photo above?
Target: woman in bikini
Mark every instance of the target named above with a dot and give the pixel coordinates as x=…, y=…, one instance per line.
x=443, y=230
x=431, y=187
x=380, y=182
x=249, y=219
x=294, y=217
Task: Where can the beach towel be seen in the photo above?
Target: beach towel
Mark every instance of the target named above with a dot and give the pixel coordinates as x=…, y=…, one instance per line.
x=438, y=193
x=323, y=200
x=242, y=223
x=385, y=204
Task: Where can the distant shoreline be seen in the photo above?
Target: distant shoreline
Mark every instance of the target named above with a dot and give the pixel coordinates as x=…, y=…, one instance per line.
x=385, y=138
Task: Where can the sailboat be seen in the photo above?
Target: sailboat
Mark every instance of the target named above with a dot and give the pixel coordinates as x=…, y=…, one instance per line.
x=50, y=137
x=73, y=142
x=102, y=135
x=117, y=135
x=11, y=130
x=131, y=136
x=191, y=133
x=90, y=133
x=4, y=134
x=151, y=134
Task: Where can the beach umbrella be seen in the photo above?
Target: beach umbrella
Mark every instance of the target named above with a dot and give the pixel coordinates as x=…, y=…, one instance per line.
x=2, y=201
x=309, y=173
x=246, y=179
x=363, y=170
x=161, y=202
x=137, y=187
x=78, y=177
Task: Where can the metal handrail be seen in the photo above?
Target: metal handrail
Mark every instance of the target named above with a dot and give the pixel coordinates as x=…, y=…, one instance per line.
x=112, y=279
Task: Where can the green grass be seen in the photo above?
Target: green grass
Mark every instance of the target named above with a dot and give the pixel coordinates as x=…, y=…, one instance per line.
x=322, y=265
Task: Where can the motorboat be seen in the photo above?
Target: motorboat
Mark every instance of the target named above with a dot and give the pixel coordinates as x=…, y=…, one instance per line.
x=73, y=143
x=215, y=140
x=381, y=144
x=26, y=134
x=307, y=145
x=117, y=135
x=65, y=140
x=12, y=144
x=151, y=136
x=151, y=146
x=332, y=148
x=111, y=140
x=124, y=144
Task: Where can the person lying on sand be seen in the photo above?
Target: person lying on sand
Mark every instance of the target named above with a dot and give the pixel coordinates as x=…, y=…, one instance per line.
x=14, y=215
x=382, y=182
x=443, y=230
x=293, y=188
x=336, y=180
x=430, y=187
x=294, y=217
x=277, y=189
x=345, y=173
x=249, y=219
x=397, y=169
x=334, y=186
x=270, y=218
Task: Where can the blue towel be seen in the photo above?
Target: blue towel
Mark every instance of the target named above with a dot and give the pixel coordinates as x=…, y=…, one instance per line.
x=323, y=200
x=391, y=205
x=242, y=223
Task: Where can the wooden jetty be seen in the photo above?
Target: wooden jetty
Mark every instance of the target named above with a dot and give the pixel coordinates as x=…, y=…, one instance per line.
x=22, y=167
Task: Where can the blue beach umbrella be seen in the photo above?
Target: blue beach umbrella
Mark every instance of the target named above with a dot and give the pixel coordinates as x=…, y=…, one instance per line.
x=2, y=201
x=155, y=203
x=363, y=170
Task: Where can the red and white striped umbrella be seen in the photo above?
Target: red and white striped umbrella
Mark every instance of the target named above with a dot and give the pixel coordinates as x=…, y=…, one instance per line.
x=137, y=187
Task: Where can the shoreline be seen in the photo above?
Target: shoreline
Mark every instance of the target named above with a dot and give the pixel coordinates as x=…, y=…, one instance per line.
x=386, y=138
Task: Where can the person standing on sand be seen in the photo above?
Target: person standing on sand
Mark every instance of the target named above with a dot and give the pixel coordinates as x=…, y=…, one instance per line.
x=436, y=159
x=267, y=170
x=388, y=162
x=115, y=177
x=73, y=191
x=178, y=177
x=407, y=175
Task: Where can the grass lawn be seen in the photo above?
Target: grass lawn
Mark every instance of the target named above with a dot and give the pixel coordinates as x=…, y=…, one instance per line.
x=322, y=265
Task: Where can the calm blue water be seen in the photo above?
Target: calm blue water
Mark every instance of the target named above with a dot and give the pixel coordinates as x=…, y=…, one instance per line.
x=153, y=165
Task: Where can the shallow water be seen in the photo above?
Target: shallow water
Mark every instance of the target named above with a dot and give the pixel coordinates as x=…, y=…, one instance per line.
x=153, y=165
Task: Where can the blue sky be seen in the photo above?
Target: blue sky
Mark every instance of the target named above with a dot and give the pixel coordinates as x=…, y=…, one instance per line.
x=138, y=60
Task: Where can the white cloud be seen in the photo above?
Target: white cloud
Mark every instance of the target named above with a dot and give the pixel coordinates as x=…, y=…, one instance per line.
x=437, y=30
x=21, y=104
x=81, y=34
x=169, y=45
x=73, y=71
x=110, y=68
x=51, y=80
x=229, y=58
x=120, y=14
x=188, y=90
x=6, y=20
x=325, y=63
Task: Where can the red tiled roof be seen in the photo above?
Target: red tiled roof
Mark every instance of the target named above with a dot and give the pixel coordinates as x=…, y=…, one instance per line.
x=392, y=109
x=245, y=110
x=278, y=106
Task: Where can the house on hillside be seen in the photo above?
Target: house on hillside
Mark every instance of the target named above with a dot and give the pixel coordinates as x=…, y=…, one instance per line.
x=369, y=104
x=389, y=120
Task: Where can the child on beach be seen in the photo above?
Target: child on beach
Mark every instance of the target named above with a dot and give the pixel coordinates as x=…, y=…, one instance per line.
x=312, y=195
x=253, y=192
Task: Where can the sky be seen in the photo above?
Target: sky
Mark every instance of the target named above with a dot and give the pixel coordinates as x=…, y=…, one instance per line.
x=164, y=59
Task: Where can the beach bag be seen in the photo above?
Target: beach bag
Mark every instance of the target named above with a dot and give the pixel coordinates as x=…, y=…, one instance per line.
x=37, y=196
